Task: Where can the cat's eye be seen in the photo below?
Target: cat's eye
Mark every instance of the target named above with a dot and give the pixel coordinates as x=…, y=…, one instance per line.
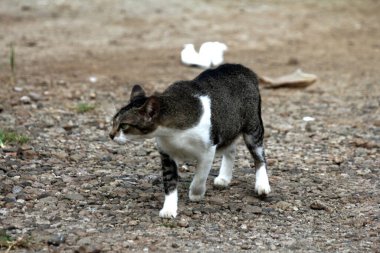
x=124, y=126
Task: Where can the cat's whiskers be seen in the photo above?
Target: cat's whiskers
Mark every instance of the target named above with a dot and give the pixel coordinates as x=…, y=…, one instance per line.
x=114, y=107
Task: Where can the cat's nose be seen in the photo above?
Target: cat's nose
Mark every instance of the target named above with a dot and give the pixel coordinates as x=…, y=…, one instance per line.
x=112, y=135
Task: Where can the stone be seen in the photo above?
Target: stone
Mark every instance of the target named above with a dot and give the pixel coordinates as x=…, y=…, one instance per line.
x=85, y=241
x=362, y=143
x=10, y=199
x=244, y=227
x=184, y=223
x=245, y=246
x=253, y=209
x=16, y=189
x=216, y=201
x=35, y=96
x=61, y=82
x=25, y=100
x=76, y=157
x=318, y=205
x=18, y=89
x=74, y=196
x=338, y=159
x=48, y=200
x=133, y=223
x=60, y=154
x=27, y=154
x=69, y=126
x=282, y=127
x=106, y=158
x=283, y=205
x=56, y=240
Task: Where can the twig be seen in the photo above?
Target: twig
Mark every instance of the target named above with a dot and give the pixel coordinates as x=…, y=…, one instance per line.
x=13, y=244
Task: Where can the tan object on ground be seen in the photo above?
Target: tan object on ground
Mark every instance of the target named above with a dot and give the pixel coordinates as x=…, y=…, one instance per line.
x=297, y=79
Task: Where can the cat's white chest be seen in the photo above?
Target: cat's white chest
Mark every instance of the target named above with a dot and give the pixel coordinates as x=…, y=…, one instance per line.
x=191, y=143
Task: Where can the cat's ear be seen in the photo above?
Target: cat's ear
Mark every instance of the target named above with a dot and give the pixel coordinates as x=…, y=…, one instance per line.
x=137, y=91
x=151, y=108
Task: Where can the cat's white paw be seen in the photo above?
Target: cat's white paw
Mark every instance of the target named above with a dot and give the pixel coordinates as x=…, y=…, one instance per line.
x=168, y=213
x=220, y=181
x=197, y=191
x=262, y=187
x=170, y=205
x=196, y=198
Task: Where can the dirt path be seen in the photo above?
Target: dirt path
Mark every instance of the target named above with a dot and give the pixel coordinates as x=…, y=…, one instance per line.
x=70, y=189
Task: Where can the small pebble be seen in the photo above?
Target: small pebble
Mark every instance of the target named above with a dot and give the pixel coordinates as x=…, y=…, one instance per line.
x=61, y=82
x=318, y=205
x=93, y=79
x=16, y=189
x=35, y=96
x=307, y=119
x=56, y=240
x=184, y=223
x=133, y=223
x=25, y=100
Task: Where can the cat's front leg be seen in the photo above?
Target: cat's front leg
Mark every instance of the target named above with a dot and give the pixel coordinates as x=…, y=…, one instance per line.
x=170, y=178
x=198, y=185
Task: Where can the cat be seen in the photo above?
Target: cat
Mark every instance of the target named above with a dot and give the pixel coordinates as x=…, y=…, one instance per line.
x=191, y=120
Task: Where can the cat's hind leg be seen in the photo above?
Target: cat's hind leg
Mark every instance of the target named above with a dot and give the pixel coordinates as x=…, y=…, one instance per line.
x=254, y=142
x=225, y=172
x=198, y=185
x=170, y=178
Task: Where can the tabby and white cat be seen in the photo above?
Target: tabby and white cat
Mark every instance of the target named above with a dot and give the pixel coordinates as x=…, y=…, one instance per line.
x=191, y=120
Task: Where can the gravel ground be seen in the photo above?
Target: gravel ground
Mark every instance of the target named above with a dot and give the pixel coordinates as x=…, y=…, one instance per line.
x=70, y=189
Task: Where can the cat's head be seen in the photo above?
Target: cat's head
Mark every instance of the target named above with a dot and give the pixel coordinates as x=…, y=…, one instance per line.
x=138, y=119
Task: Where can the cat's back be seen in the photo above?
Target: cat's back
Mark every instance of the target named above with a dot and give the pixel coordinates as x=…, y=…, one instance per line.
x=234, y=79
x=227, y=70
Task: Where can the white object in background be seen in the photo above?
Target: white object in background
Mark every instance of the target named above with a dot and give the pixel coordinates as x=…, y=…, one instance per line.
x=210, y=54
x=307, y=118
x=213, y=51
x=189, y=56
x=93, y=79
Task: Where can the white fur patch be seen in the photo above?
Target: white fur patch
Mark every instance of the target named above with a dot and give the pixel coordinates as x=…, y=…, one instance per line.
x=170, y=205
x=262, y=183
x=198, y=185
x=225, y=172
x=191, y=143
x=120, y=138
x=196, y=198
x=221, y=181
x=259, y=152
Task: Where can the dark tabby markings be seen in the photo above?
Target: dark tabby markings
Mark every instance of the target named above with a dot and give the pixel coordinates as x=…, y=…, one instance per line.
x=169, y=173
x=254, y=144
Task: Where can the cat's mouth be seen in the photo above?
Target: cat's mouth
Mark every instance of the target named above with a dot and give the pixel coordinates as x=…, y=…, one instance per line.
x=122, y=139
x=119, y=138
